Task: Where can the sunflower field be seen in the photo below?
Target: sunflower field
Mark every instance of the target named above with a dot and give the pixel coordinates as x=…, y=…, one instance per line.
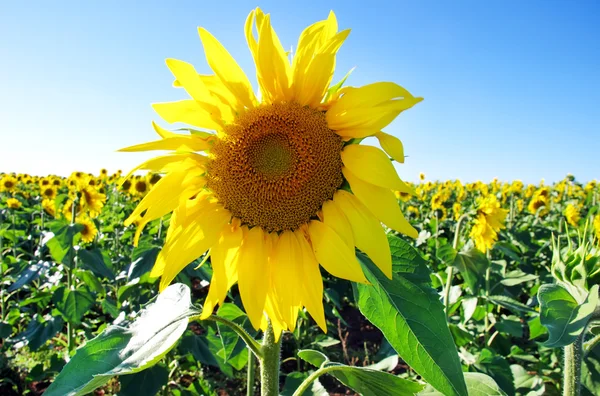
x=65, y=278
x=273, y=251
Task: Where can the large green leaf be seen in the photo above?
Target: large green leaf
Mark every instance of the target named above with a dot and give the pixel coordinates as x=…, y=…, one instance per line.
x=365, y=381
x=30, y=274
x=119, y=350
x=95, y=261
x=471, y=264
x=478, y=384
x=410, y=315
x=143, y=261
x=73, y=304
x=498, y=368
x=562, y=314
x=61, y=245
x=38, y=332
x=147, y=382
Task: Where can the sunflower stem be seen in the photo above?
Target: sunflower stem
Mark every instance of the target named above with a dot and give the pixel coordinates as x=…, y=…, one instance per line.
x=269, y=364
x=572, y=355
x=450, y=269
x=251, y=373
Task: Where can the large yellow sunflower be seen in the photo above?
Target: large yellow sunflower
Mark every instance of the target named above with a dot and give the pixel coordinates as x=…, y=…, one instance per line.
x=282, y=185
x=8, y=183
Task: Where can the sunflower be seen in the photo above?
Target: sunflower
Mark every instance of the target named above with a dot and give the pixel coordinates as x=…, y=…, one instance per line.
x=421, y=176
x=572, y=215
x=403, y=196
x=48, y=192
x=103, y=173
x=56, y=182
x=139, y=187
x=67, y=209
x=269, y=197
x=456, y=210
x=92, y=201
x=539, y=204
x=49, y=207
x=597, y=227
x=8, y=183
x=13, y=203
x=490, y=220
x=89, y=231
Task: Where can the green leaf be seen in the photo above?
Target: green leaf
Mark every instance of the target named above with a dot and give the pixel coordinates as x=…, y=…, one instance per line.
x=95, y=261
x=562, y=315
x=498, y=368
x=370, y=382
x=366, y=381
x=147, y=382
x=30, y=274
x=293, y=381
x=410, y=315
x=37, y=333
x=119, y=351
x=91, y=281
x=61, y=245
x=471, y=264
x=478, y=384
x=536, y=329
x=232, y=345
x=517, y=277
x=5, y=330
x=511, y=304
x=143, y=261
x=313, y=357
x=73, y=304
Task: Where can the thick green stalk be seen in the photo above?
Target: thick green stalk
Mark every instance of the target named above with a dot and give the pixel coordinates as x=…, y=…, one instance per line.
x=572, y=358
x=269, y=364
x=251, y=373
x=450, y=269
x=487, y=294
x=307, y=383
x=2, y=306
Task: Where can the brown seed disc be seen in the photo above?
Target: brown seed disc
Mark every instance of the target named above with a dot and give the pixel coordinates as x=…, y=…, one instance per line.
x=276, y=166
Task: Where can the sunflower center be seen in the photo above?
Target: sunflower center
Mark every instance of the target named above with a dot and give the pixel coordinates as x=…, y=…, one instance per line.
x=276, y=166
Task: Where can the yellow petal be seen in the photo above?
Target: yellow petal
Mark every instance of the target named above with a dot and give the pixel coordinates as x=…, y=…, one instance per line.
x=224, y=264
x=391, y=145
x=381, y=202
x=372, y=165
x=228, y=71
x=368, y=233
x=312, y=289
x=162, y=132
x=179, y=143
x=333, y=253
x=372, y=107
x=273, y=67
x=335, y=218
x=159, y=164
x=186, y=111
x=287, y=276
x=198, y=231
x=253, y=274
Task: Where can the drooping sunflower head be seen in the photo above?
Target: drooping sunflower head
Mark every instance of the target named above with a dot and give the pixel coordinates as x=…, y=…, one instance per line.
x=572, y=215
x=8, y=183
x=283, y=184
x=49, y=207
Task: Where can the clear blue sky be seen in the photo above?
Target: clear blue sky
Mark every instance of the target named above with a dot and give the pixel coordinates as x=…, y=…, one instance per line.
x=511, y=88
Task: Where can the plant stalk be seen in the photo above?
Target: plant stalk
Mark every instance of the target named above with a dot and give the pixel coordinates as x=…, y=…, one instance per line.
x=251, y=373
x=450, y=269
x=269, y=365
x=573, y=356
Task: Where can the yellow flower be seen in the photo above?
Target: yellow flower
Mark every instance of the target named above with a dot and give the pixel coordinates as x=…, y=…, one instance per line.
x=539, y=204
x=422, y=176
x=456, y=210
x=413, y=209
x=8, y=183
x=490, y=220
x=403, y=196
x=520, y=205
x=92, y=201
x=67, y=209
x=139, y=187
x=49, y=206
x=572, y=215
x=48, y=192
x=597, y=226
x=103, y=173
x=266, y=198
x=13, y=203
x=89, y=231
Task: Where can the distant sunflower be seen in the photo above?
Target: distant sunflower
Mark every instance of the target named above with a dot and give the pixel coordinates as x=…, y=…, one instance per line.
x=13, y=203
x=490, y=220
x=456, y=210
x=89, y=231
x=92, y=201
x=48, y=192
x=126, y=185
x=421, y=176
x=269, y=198
x=67, y=209
x=539, y=204
x=8, y=183
x=139, y=187
x=572, y=215
x=597, y=227
x=103, y=173
x=49, y=207
x=56, y=182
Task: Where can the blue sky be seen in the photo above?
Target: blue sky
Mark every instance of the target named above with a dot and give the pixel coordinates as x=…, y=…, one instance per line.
x=511, y=88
